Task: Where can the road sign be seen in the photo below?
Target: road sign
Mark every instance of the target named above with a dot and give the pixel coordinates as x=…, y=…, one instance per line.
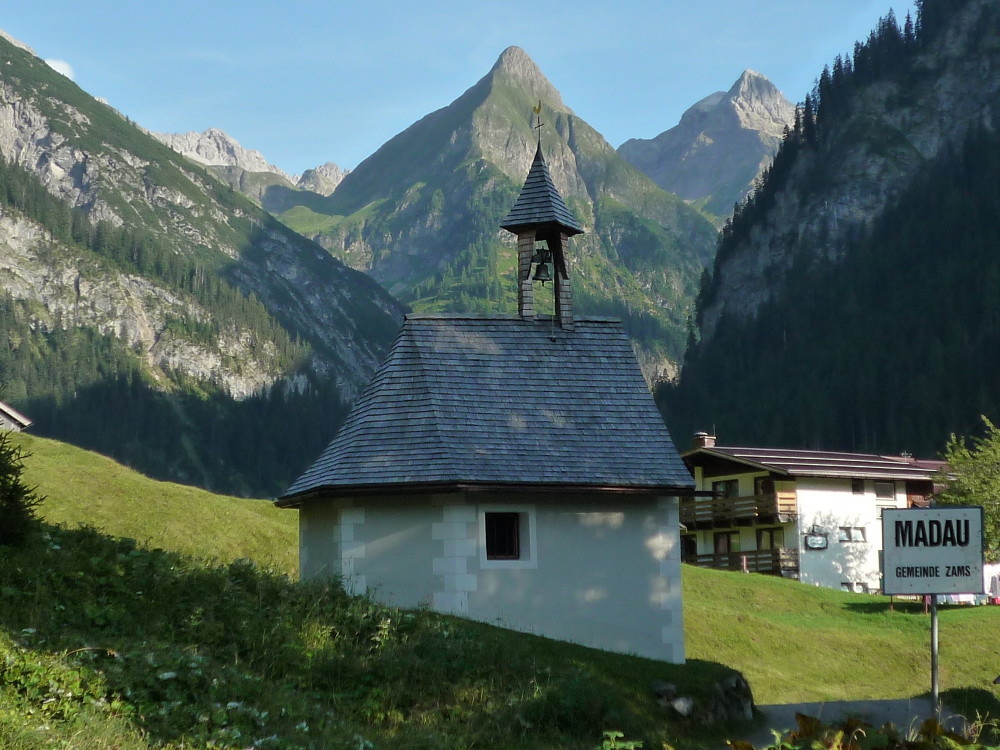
x=932, y=550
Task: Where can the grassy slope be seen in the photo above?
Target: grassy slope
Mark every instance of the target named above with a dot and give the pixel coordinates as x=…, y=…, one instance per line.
x=799, y=643
x=793, y=642
x=89, y=489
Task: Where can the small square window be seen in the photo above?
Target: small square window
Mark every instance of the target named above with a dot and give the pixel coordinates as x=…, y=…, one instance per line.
x=503, y=536
x=885, y=490
x=851, y=534
x=858, y=486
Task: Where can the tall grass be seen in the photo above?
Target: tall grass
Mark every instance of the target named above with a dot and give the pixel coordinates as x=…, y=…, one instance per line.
x=163, y=650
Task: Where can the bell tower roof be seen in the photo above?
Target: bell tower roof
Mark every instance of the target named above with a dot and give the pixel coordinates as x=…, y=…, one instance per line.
x=539, y=206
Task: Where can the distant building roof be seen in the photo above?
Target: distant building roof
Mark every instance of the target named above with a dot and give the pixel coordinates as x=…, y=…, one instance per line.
x=539, y=204
x=792, y=462
x=476, y=400
x=11, y=418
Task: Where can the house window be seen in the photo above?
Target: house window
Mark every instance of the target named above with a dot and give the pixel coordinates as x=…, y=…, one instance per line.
x=858, y=486
x=507, y=537
x=503, y=536
x=770, y=538
x=763, y=486
x=852, y=534
x=885, y=490
x=726, y=541
x=855, y=587
x=726, y=488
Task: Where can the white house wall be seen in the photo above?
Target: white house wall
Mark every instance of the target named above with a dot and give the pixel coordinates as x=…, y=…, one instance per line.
x=603, y=573
x=829, y=504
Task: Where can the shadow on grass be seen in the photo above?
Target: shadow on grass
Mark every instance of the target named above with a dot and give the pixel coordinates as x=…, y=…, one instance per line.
x=881, y=606
x=181, y=652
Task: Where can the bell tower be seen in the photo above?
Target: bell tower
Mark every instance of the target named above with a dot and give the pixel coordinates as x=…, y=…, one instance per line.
x=543, y=225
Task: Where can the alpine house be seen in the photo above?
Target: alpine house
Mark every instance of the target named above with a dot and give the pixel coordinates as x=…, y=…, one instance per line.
x=513, y=469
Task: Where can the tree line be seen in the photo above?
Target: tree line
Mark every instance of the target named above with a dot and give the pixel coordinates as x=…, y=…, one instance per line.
x=890, y=347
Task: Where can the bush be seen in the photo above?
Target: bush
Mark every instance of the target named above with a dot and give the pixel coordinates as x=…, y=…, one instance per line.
x=17, y=500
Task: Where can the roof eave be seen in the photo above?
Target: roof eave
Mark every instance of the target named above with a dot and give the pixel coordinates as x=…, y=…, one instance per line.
x=370, y=490
x=735, y=459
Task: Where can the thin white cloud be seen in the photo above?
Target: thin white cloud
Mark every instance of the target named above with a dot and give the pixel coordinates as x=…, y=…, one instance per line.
x=61, y=66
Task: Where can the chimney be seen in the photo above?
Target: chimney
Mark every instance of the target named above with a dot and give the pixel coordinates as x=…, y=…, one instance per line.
x=703, y=440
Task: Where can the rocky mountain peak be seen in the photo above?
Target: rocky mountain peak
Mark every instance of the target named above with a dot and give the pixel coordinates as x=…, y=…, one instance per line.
x=516, y=68
x=759, y=104
x=17, y=42
x=722, y=142
x=322, y=179
x=216, y=148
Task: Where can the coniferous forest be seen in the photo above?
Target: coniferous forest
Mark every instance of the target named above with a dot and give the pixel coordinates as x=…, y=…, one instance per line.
x=892, y=345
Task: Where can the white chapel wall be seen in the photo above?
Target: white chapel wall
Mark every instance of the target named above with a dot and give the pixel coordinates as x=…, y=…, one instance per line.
x=605, y=573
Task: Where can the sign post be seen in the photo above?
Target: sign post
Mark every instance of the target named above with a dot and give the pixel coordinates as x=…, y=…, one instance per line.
x=932, y=551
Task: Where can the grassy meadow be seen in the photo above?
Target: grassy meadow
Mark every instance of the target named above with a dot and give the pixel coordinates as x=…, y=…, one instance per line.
x=148, y=614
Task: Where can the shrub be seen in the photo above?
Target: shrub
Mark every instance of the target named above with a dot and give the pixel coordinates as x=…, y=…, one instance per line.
x=17, y=500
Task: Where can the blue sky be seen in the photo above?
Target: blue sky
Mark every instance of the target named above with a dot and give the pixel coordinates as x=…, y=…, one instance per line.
x=310, y=81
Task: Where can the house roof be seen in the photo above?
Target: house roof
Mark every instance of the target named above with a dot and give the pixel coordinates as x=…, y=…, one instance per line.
x=477, y=400
x=12, y=415
x=791, y=462
x=539, y=203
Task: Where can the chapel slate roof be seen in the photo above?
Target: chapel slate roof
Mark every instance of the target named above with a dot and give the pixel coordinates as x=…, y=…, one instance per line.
x=794, y=462
x=539, y=203
x=502, y=400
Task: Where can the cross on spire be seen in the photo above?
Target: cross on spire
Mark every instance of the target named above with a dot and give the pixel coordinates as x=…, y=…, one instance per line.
x=538, y=119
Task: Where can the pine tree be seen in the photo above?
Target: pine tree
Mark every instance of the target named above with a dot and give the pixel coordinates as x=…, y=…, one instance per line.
x=17, y=500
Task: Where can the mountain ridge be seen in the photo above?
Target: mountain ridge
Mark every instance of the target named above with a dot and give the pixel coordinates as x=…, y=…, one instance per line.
x=167, y=287
x=421, y=213
x=853, y=300
x=715, y=153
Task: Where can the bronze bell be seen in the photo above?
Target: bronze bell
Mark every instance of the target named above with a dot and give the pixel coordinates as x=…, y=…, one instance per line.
x=542, y=273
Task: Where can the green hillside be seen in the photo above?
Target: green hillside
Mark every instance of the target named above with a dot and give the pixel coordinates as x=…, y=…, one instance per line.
x=82, y=488
x=746, y=622
x=151, y=627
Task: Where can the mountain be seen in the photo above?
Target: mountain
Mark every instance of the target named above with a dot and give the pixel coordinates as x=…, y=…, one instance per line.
x=153, y=313
x=322, y=179
x=247, y=171
x=216, y=148
x=421, y=215
x=854, y=294
x=720, y=146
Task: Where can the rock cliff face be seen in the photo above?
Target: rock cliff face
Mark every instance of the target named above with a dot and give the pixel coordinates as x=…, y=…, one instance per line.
x=88, y=155
x=720, y=146
x=246, y=170
x=421, y=215
x=864, y=160
x=322, y=179
x=215, y=148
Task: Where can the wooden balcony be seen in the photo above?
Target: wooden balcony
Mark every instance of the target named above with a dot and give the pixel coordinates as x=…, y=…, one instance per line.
x=779, y=562
x=712, y=512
